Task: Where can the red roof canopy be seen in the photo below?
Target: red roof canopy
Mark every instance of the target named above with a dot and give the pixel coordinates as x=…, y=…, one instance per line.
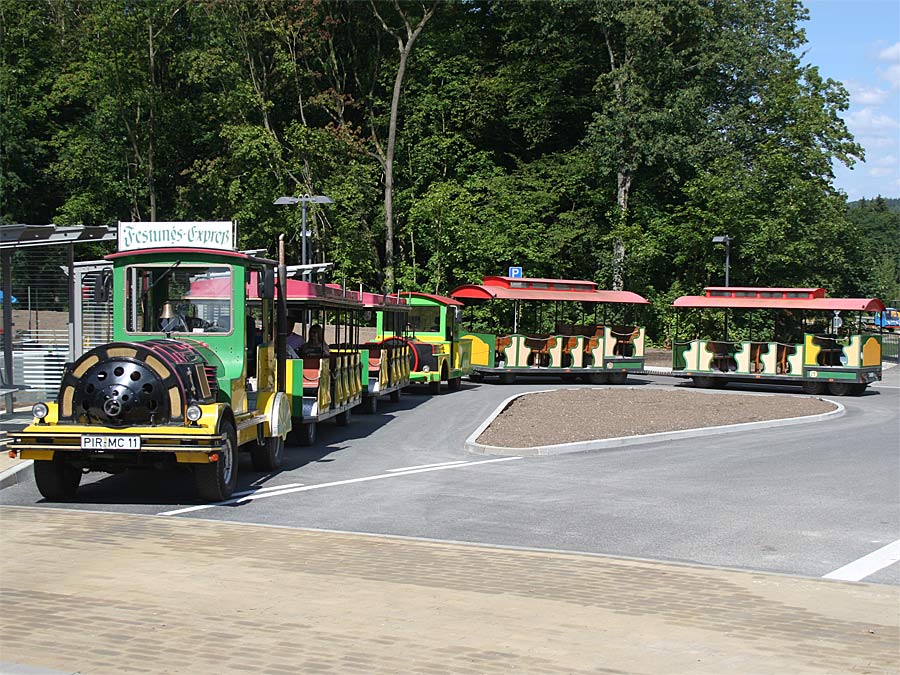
x=737, y=297
x=560, y=290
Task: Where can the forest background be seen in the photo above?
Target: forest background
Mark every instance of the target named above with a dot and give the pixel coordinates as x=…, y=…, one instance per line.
x=601, y=139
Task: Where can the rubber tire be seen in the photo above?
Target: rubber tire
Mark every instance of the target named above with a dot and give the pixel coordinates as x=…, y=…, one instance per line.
x=618, y=377
x=268, y=456
x=454, y=383
x=840, y=388
x=507, y=378
x=719, y=383
x=213, y=483
x=343, y=418
x=476, y=376
x=307, y=434
x=434, y=387
x=858, y=388
x=704, y=381
x=814, y=387
x=395, y=396
x=56, y=479
x=598, y=378
x=370, y=405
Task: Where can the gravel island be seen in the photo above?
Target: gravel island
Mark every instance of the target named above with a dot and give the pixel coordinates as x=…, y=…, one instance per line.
x=576, y=415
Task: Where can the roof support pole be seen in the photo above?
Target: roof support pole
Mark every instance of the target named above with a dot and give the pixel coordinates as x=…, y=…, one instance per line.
x=70, y=261
x=7, y=324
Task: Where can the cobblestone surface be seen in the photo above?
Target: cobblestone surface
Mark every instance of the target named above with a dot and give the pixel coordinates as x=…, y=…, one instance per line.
x=574, y=415
x=113, y=593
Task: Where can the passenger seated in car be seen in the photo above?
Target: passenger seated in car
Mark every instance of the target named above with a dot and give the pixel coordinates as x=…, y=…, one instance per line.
x=295, y=342
x=315, y=345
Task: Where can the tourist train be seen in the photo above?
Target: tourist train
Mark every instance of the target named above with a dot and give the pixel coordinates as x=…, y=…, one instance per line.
x=217, y=351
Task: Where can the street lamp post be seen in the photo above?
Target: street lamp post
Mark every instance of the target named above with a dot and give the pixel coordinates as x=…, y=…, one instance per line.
x=725, y=239
x=315, y=199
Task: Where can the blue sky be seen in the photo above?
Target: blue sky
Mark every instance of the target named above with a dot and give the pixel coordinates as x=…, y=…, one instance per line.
x=858, y=43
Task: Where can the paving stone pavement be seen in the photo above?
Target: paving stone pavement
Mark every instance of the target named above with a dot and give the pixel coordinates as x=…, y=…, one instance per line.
x=113, y=593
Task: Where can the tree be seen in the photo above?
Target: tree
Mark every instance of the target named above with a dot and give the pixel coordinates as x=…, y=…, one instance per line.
x=406, y=37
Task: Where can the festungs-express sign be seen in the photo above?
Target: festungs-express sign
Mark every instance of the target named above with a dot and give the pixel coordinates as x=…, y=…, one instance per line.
x=212, y=234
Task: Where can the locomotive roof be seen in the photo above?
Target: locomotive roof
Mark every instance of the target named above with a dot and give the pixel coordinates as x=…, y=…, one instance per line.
x=233, y=257
x=563, y=290
x=747, y=297
x=439, y=299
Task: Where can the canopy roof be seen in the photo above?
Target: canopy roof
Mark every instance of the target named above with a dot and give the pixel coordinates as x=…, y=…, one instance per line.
x=219, y=288
x=439, y=299
x=230, y=257
x=739, y=297
x=558, y=290
x=375, y=300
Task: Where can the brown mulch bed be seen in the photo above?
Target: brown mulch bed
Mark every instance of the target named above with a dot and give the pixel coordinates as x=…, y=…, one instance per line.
x=574, y=415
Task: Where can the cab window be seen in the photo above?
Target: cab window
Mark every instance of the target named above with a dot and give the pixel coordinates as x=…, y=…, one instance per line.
x=178, y=299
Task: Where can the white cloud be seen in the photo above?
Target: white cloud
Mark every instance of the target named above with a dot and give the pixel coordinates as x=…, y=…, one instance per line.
x=891, y=53
x=892, y=75
x=885, y=166
x=880, y=172
x=870, y=121
x=862, y=94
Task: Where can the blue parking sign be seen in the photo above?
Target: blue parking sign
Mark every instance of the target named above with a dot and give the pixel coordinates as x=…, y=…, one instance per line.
x=515, y=272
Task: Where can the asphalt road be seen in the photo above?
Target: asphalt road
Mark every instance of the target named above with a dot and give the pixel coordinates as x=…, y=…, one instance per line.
x=803, y=500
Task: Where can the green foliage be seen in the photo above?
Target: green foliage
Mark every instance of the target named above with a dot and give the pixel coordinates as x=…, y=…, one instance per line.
x=532, y=134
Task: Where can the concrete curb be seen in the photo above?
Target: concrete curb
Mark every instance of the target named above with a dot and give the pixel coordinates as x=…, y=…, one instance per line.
x=20, y=473
x=473, y=446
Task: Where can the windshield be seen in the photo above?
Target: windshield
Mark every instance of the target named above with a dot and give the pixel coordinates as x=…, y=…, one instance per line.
x=178, y=299
x=425, y=319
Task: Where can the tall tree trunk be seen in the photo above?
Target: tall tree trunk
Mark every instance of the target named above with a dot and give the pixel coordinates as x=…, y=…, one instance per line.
x=404, y=45
x=151, y=183
x=623, y=178
x=623, y=185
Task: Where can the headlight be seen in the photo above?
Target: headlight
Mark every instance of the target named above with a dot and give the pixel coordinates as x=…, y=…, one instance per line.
x=40, y=411
x=194, y=413
x=425, y=369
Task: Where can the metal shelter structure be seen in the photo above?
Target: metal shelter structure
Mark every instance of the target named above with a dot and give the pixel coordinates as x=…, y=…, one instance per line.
x=15, y=237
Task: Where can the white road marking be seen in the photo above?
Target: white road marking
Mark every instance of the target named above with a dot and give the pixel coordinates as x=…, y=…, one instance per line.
x=266, y=489
x=426, y=466
x=868, y=564
x=260, y=494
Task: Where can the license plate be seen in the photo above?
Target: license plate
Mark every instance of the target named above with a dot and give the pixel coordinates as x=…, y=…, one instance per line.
x=111, y=442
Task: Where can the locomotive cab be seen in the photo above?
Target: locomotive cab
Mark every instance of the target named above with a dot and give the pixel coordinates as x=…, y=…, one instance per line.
x=190, y=378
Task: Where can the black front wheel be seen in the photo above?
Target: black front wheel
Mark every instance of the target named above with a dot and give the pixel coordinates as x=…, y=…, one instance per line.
x=57, y=480
x=434, y=387
x=598, y=378
x=343, y=418
x=307, y=433
x=814, y=387
x=370, y=405
x=618, y=376
x=216, y=481
x=269, y=455
x=454, y=383
x=840, y=388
